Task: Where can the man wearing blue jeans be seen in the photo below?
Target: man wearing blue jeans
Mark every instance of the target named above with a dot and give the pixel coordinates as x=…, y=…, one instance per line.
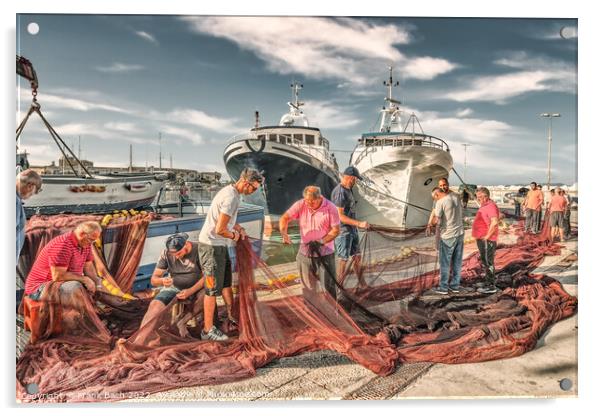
x=448, y=214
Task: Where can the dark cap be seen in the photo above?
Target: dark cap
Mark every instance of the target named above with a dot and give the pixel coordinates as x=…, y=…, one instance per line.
x=176, y=241
x=352, y=171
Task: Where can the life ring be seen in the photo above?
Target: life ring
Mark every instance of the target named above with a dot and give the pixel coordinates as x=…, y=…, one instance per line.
x=138, y=186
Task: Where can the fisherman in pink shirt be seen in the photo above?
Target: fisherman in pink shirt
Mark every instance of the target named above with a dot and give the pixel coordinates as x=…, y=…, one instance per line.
x=485, y=230
x=319, y=224
x=558, y=205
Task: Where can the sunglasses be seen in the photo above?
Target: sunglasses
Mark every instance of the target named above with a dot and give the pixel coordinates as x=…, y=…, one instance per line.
x=255, y=187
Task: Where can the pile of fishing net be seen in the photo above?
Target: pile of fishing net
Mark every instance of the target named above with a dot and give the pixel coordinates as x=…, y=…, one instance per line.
x=383, y=317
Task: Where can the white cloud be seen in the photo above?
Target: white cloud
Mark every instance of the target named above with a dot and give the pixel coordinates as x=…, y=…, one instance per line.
x=328, y=115
x=464, y=112
x=59, y=101
x=189, y=135
x=534, y=74
x=147, y=36
x=122, y=127
x=40, y=154
x=426, y=67
x=73, y=129
x=341, y=49
x=120, y=67
x=202, y=119
x=472, y=130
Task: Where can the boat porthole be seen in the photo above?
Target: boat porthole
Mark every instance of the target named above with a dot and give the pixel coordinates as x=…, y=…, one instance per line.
x=429, y=180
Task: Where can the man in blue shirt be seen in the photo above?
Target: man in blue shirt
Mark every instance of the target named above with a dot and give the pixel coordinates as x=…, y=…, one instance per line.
x=28, y=183
x=347, y=242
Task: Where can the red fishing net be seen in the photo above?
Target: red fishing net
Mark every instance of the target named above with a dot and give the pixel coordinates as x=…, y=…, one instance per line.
x=383, y=317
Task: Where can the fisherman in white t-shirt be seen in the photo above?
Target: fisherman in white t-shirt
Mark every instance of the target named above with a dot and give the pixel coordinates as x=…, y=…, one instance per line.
x=219, y=232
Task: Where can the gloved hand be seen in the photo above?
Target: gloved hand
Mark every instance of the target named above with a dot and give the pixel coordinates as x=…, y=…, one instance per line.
x=314, y=246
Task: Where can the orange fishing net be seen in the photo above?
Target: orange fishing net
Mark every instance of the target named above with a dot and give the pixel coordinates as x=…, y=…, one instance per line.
x=101, y=353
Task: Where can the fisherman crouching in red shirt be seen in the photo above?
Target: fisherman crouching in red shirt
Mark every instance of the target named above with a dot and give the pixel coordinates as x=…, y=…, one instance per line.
x=68, y=259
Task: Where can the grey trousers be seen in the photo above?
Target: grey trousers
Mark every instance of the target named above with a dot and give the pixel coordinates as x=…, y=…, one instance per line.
x=321, y=278
x=531, y=220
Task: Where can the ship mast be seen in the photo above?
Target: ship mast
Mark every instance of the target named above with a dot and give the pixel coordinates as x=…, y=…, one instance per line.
x=296, y=104
x=387, y=113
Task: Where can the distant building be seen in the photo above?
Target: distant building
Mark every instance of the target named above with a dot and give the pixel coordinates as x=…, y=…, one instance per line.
x=185, y=175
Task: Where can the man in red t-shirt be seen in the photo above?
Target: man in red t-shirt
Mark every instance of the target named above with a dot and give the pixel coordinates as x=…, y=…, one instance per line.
x=485, y=230
x=558, y=205
x=68, y=259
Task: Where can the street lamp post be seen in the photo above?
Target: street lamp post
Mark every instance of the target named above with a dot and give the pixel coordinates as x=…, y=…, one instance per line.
x=465, y=146
x=550, y=116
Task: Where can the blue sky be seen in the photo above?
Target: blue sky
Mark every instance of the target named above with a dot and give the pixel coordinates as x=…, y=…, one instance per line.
x=119, y=80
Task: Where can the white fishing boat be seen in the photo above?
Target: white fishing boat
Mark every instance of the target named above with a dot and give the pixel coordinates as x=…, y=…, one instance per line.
x=400, y=166
x=95, y=194
x=290, y=155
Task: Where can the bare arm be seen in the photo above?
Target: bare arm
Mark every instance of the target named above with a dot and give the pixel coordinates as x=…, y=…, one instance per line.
x=332, y=234
x=492, y=228
x=283, y=226
x=350, y=221
x=60, y=274
x=221, y=228
x=103, y=273
x=185, y=293
x=90, y=271
x=157, y=278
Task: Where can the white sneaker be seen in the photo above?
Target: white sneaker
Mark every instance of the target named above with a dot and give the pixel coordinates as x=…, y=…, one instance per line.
x=214, y=334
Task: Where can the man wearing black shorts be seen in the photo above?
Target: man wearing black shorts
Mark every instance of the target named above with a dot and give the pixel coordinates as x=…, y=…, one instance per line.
x=219, y=232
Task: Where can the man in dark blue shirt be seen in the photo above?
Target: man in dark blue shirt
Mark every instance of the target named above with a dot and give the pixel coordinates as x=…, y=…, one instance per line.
x=347, y=242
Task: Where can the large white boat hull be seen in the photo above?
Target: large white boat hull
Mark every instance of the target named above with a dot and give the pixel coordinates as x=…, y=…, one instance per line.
x=398, y=181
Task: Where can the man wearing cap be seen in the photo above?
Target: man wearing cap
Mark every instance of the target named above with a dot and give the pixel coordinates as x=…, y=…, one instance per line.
x=449, y=216
x=219, y=232
x=443, y=185
x=180, y=260
x=347, y=242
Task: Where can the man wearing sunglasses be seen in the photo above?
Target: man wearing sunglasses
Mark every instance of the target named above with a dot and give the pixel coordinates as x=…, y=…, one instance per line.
x=29, y=183
x=219, y=232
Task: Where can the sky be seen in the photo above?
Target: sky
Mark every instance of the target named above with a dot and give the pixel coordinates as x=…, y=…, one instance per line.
x=108, y=81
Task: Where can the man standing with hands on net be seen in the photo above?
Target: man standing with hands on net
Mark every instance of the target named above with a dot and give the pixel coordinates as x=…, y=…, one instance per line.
x=219, y=232
x=319, y=225
x=347, y=242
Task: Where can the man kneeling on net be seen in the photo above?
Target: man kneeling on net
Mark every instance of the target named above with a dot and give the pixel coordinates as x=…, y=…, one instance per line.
x=180, y=260
x=68, y=259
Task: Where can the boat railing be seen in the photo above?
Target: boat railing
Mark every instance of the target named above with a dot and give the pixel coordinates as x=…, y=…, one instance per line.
x=373, y=142
x=317, y=151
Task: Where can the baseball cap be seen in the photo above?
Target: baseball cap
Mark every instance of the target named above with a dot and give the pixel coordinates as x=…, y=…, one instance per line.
x=352, y=171
x=176, y=241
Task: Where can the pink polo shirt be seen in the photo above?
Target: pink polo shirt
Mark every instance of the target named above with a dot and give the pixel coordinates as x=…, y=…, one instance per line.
x=558, y=204
x=480, y=226
x=314, y=225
